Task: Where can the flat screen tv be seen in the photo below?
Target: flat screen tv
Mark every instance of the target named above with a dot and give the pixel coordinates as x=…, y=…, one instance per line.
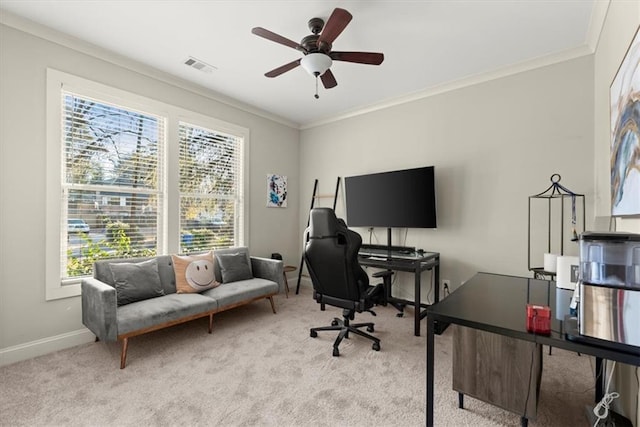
x=403, y=198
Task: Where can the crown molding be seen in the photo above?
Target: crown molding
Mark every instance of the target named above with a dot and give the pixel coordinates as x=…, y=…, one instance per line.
x=598, y=16
x=509, y=70
x=596, y=23
x=11, y=20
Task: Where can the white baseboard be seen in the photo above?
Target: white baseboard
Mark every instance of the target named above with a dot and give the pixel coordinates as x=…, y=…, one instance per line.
x=43, y=346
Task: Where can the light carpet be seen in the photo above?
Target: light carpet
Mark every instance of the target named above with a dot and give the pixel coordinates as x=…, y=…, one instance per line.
x=258, y=368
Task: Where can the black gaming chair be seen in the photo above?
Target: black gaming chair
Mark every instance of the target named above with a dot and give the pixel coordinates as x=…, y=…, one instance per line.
x=331, y=256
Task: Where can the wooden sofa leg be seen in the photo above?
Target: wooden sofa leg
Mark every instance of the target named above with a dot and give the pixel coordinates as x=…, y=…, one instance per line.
x=210, y=322
x=273, y=306
x=123, y=354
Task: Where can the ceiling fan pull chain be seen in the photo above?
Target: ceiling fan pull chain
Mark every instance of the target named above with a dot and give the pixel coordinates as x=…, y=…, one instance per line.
x=316, y=95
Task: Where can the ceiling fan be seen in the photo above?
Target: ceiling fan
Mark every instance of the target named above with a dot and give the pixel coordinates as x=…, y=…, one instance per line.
x=316, y=48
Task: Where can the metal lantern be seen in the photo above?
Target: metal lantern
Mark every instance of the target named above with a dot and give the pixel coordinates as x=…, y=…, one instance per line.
x=556, y=215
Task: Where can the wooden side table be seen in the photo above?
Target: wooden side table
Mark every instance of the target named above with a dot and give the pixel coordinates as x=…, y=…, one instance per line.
x=287, y=269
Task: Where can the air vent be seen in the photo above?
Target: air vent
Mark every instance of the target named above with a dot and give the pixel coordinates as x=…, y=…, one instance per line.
x=199, y=65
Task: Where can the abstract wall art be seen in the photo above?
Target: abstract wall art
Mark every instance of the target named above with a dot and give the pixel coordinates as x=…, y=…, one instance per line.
x=625, y=134
x=276, y=191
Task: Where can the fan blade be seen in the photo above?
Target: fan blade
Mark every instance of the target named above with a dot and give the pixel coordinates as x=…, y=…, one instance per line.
x=269, y=35
x=328, y=80
x=283, y=69
x=358, y=57
x=337, y=22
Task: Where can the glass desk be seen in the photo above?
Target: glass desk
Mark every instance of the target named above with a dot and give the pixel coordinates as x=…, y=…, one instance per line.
x=497, y=303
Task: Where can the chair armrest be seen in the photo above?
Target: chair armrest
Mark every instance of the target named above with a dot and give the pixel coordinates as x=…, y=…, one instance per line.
x=383, y=273
x=374, y=291
x=270, y=269
x=99, y=309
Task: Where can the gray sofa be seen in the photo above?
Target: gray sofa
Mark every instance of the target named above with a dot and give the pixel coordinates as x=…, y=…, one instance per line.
x=110, y=320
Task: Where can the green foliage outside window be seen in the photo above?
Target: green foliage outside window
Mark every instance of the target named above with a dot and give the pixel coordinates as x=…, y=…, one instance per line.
x=118, y=245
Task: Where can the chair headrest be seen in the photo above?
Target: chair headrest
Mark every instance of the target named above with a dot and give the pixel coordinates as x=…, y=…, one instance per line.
x=324, y=223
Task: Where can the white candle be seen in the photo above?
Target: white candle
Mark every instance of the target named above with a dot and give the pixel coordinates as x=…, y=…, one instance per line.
x=550, y=262
x=567, y=272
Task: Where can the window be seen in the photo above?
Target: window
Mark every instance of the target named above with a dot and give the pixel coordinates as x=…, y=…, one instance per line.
x=110, y=183
x=129, y=176
x=210, y=188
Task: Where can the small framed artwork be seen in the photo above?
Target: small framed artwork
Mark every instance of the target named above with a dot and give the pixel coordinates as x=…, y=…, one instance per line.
x=276, y=191
x=625, y=133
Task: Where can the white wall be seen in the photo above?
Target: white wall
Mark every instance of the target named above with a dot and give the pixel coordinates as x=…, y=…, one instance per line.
x=493, y=144
x=29, y=325
x=622, y=21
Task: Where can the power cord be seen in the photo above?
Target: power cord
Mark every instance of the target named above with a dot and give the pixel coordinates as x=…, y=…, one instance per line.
x=446, y=290
x=638, y=395
x=601, y=411
x=533, y=351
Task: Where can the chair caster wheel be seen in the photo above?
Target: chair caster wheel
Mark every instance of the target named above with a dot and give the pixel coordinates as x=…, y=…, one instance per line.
x=369, y=328
x=400, y=315
x=336, y=353
x=334, y=322
x=376, y=346
x=313, y=334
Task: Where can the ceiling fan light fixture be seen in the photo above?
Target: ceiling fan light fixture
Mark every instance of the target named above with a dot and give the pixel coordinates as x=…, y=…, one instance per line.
x=316, y=64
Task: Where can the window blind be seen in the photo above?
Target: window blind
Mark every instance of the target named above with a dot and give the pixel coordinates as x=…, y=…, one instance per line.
x=111, y=183
x=210, y=189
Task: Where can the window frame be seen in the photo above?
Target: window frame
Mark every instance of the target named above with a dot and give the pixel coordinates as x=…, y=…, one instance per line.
x=123, y=192
x=219, y=128
x=169, y=220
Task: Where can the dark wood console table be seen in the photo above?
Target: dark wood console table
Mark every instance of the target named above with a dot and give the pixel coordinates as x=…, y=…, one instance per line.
x=415, y=263
x=496, y=303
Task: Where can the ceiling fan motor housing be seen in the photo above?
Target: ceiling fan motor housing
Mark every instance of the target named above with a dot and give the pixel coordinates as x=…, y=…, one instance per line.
x=315, y=25
x=310, y=43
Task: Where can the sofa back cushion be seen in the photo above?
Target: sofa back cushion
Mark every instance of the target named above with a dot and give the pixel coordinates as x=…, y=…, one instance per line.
x=243, y=250
x=234, y=267
x=136, y=281
x=102, y=271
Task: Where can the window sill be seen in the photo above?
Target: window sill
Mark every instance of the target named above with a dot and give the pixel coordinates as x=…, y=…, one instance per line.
x=67, y=289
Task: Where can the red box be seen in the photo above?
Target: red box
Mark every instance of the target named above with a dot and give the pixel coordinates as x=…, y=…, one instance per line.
x=539, y=319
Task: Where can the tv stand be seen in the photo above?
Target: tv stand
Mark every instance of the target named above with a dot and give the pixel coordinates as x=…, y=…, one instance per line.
x=389, y=249
x=384, y=249
x=405, y=250
x=379, y=256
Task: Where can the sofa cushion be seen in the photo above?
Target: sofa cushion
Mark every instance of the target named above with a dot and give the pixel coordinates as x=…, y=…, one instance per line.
x=194, y=273
x=235, y=293
x=234, y=267
x=233, y=250
x=157, y=311
x=136, y=281
x=102, y=270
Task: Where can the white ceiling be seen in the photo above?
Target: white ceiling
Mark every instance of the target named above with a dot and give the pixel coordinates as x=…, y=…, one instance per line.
x=428, y=45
